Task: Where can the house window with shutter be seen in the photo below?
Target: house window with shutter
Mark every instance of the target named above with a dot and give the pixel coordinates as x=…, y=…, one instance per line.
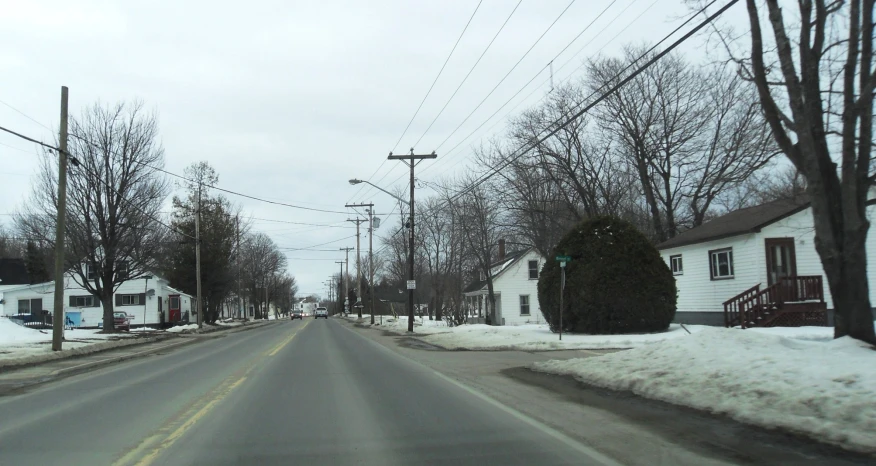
x=83, y=301
x=533, y=270
x=524, y=304
x=130, y=299
x=721, y=263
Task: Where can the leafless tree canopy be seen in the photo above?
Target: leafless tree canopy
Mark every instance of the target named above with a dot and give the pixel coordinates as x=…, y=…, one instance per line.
x=114, y=199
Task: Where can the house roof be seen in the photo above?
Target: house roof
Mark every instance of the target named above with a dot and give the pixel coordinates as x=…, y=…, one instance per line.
x=504, y=264
x=13, y=272
x=738, y=222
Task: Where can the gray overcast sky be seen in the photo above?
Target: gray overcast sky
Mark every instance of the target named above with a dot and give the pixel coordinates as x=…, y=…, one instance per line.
x=290, y=99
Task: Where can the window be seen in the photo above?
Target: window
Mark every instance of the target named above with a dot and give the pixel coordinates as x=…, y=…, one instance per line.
x=533, y=270
x=482, y=276
x=83, y=301
x=129, y=300
x=90, y=272
x=524, y=304
x=174, y=302
x=122, y=270
x=24, y=306
x=721, y=263
x=675, y=264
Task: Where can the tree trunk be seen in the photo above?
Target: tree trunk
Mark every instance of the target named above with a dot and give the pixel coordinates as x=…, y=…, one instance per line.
x=109, y=323
x=849, y=287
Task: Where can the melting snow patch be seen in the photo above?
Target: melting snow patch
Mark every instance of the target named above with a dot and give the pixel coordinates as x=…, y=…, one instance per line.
x=825, y=390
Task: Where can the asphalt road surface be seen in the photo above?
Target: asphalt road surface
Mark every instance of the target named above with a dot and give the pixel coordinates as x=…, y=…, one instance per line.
x=299, y=392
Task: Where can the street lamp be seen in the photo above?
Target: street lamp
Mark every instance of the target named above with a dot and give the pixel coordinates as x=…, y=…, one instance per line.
x=355, y=181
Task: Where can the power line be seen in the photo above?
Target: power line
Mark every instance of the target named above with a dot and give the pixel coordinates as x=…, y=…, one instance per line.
x=470, y=71
x=510, y=71
x=26, y=115
x=26, y=138
x=458, y=144
x=424, y=98
x=209, y=185
x=320, y=244
x=629, y=65
x=602, y=97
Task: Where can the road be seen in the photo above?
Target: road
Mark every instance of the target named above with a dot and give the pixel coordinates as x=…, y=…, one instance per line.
x=300, y=392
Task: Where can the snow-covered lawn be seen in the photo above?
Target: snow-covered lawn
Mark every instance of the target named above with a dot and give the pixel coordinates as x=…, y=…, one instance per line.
x=824, y=389
x=182, y=328
x=17, y=341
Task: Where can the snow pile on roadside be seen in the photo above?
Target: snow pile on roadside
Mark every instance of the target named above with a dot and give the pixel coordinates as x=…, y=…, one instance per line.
x=422, y=325
x=822, y=334
x=229, y=323
x=182, y=328
x=825, y=390
x=144, y=329
x=10, y=332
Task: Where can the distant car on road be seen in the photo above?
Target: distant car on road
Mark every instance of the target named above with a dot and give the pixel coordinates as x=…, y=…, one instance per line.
x=320, y=312
x=297, y=315
x=121, y=322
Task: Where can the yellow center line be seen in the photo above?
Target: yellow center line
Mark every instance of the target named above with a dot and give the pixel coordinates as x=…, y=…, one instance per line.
x=160, y=443
x=287, y=340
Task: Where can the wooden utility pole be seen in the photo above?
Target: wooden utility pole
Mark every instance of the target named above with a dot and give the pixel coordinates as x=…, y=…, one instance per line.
x=370, y=209
x=60, y=229
x=346, y=277
x=358, y=221
x=240, y=311
x=412, y=285
x=198, y=257
x=340, y=277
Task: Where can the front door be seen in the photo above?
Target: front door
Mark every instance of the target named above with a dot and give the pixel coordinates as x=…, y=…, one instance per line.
x=781, y=261
x=173, y=308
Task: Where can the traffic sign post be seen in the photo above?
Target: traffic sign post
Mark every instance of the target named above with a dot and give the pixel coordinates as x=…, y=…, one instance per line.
x=562, y=260
x=412, y=284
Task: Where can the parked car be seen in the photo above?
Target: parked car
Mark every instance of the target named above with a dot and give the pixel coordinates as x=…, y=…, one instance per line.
x=320, y=312
x=297, y=315
x=121, y=322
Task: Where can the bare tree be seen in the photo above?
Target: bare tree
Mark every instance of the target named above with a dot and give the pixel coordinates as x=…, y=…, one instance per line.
x=261, y=263
x=816, y=92
x=114, y=199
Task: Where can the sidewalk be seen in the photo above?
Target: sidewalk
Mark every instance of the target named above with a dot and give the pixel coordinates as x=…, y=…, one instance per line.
x=40, y=370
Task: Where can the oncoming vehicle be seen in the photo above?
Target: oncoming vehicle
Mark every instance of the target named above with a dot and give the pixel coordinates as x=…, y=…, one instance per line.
x=297, y=315
x=320, y=312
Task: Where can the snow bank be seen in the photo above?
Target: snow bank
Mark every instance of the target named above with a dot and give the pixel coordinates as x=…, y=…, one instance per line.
x=10, y=332
x=182, y=328
x=825, y=390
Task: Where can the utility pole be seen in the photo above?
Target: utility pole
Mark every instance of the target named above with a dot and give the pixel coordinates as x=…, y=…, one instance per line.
x=198, y=256
x=412, y=285
x=239, y=308
x=340, y=298
x=347, y=277
x=358, y=221
x=60, y=229
x=370, y=209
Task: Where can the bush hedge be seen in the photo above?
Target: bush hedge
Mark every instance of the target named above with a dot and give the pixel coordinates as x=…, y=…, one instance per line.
x=616, y=282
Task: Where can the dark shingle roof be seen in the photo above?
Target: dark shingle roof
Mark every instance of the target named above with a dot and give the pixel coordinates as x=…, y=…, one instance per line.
x=738, y=222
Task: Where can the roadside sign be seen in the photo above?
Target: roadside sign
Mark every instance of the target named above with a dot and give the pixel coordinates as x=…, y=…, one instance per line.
x=564, y=258
x=412, y=284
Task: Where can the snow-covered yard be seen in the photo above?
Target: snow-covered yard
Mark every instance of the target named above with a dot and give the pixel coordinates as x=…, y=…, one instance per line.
x=17, y=341
x=539, y=337
x=789, y=378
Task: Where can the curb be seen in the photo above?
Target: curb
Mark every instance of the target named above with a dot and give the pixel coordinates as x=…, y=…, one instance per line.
x=93, y=364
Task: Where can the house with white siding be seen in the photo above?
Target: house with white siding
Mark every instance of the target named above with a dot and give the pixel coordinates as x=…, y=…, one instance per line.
x=754, y=267
x=147, y=301
x=515, y=284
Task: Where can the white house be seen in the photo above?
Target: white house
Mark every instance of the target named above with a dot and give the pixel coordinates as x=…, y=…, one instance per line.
x=760, y=260
x=515, y=284
x=150, y=302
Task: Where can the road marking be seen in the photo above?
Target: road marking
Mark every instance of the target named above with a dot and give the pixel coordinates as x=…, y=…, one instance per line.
x=287, y=340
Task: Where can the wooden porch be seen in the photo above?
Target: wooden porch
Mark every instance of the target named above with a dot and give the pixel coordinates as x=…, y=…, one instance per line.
x=792, y=301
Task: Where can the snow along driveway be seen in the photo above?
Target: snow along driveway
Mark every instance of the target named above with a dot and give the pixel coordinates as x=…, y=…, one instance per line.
x=822, y=389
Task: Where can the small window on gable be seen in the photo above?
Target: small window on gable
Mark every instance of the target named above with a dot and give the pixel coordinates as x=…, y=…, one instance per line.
x=122, y=270
x=676, y=265
x=533, y=270
x=721, y=263
x=90, y=271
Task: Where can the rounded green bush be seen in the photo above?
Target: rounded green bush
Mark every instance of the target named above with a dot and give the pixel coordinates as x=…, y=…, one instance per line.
x=616, y=282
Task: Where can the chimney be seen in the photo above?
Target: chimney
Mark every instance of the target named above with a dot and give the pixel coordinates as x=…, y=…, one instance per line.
x=501, y=250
